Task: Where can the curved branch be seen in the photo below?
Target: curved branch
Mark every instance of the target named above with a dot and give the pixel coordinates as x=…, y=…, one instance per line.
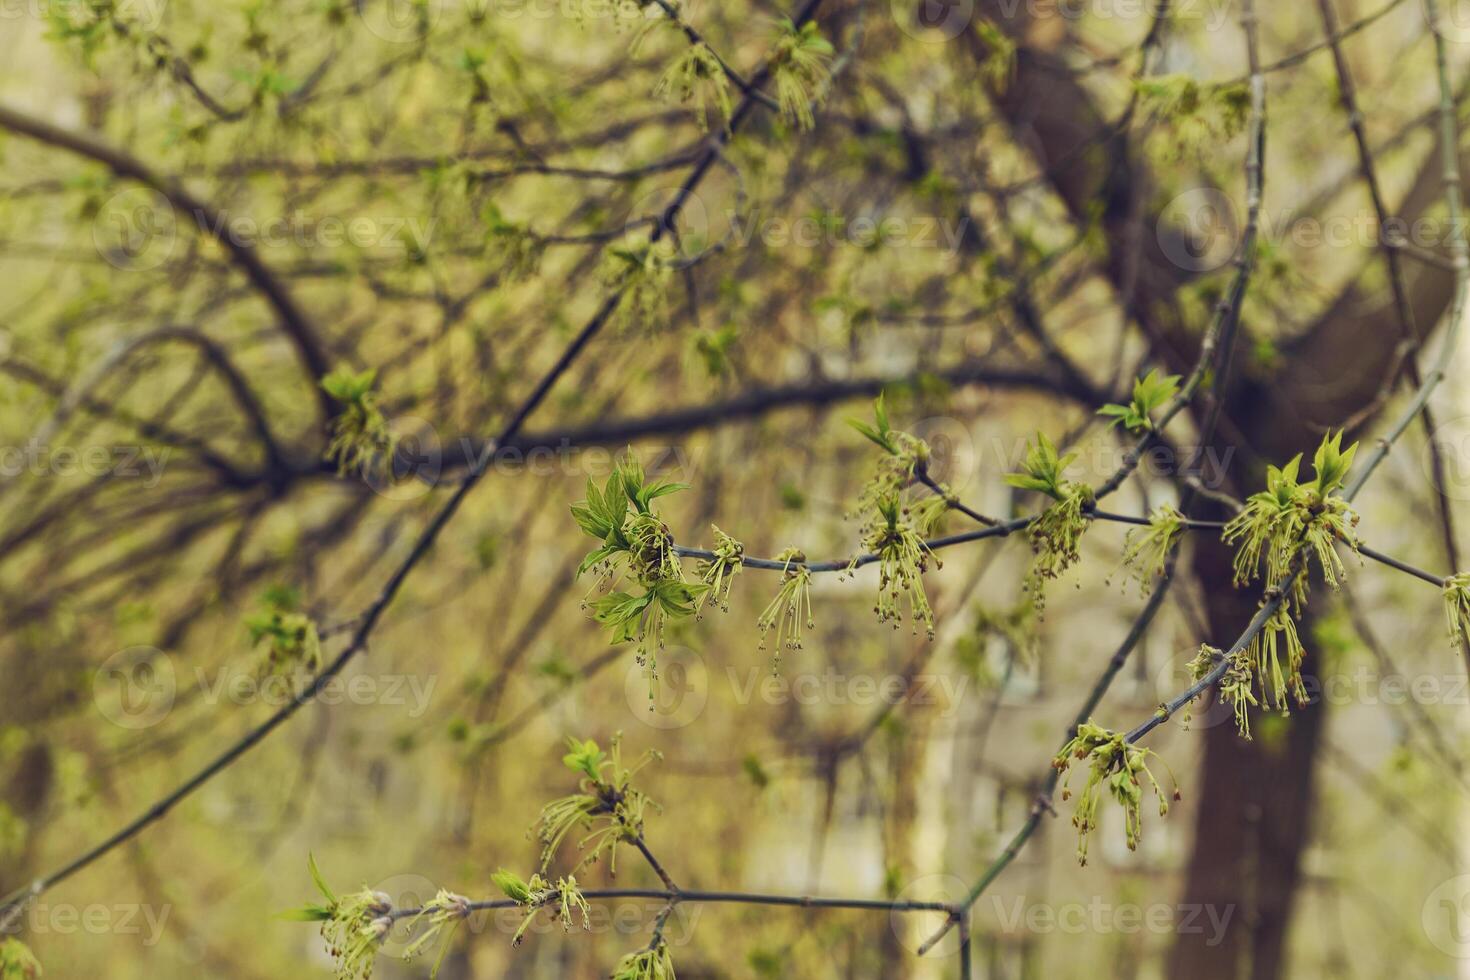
x=298, y=326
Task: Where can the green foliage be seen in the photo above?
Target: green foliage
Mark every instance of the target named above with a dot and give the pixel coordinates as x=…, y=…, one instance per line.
x=14, y=830
x=1146, y=549
x=1331, y=464
x=1042, y=468
x=564, y=899
x=1193, y=118
x=1114, y=765
x=1150, y=393
x=1282, y=528
x=353, y=926
x=361, y=439
x=696, y=76
x=639, y=273
x=17, y=962
x=713, y=349
x=755, y=771
x=1016, y=625
x=1056, y=533
x=999, y=66
x=290, y=637
x=635, y=541
x=643, y=616
x=585, y=758
x=510, y=247
x=516, y=888
x=800, y=70
x=903, y=557
x=1457, y=606
x=647, y=964
x=904, y=455
x=791, y=609
x=1278, y=522
x=881, y=433
x=87, y=26
x=607, y=807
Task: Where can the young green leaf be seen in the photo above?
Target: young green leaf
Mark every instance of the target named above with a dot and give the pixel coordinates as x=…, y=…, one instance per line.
x=1150, y=392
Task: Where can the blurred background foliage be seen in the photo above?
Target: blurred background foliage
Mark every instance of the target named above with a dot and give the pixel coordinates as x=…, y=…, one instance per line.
x=442, y=186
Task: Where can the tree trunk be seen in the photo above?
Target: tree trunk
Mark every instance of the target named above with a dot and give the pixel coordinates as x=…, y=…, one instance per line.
x=1254, y=807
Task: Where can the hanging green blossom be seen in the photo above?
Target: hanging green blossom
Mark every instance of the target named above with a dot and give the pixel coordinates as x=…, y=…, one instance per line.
x=1056, y=532
x=791, y=610
x=636, y=542
x=1235, y=690
x=444, y=912
x=1115, y=767
x=290, y=637
x=647, y=964
x=800, y=70
x=607, y=807
x=361, y=439
x=353, y=926
x=696, y=77
x=903, y=455
x=510, y=247
x=564, y=899
x=718, y=573
x=1146, y=549
x=1276, y=524
x=1278, y=655
x=1457, y=606
x=903, y=557
x=640, y=273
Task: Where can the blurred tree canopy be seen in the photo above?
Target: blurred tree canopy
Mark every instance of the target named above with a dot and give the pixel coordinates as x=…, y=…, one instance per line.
x=832, y=465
